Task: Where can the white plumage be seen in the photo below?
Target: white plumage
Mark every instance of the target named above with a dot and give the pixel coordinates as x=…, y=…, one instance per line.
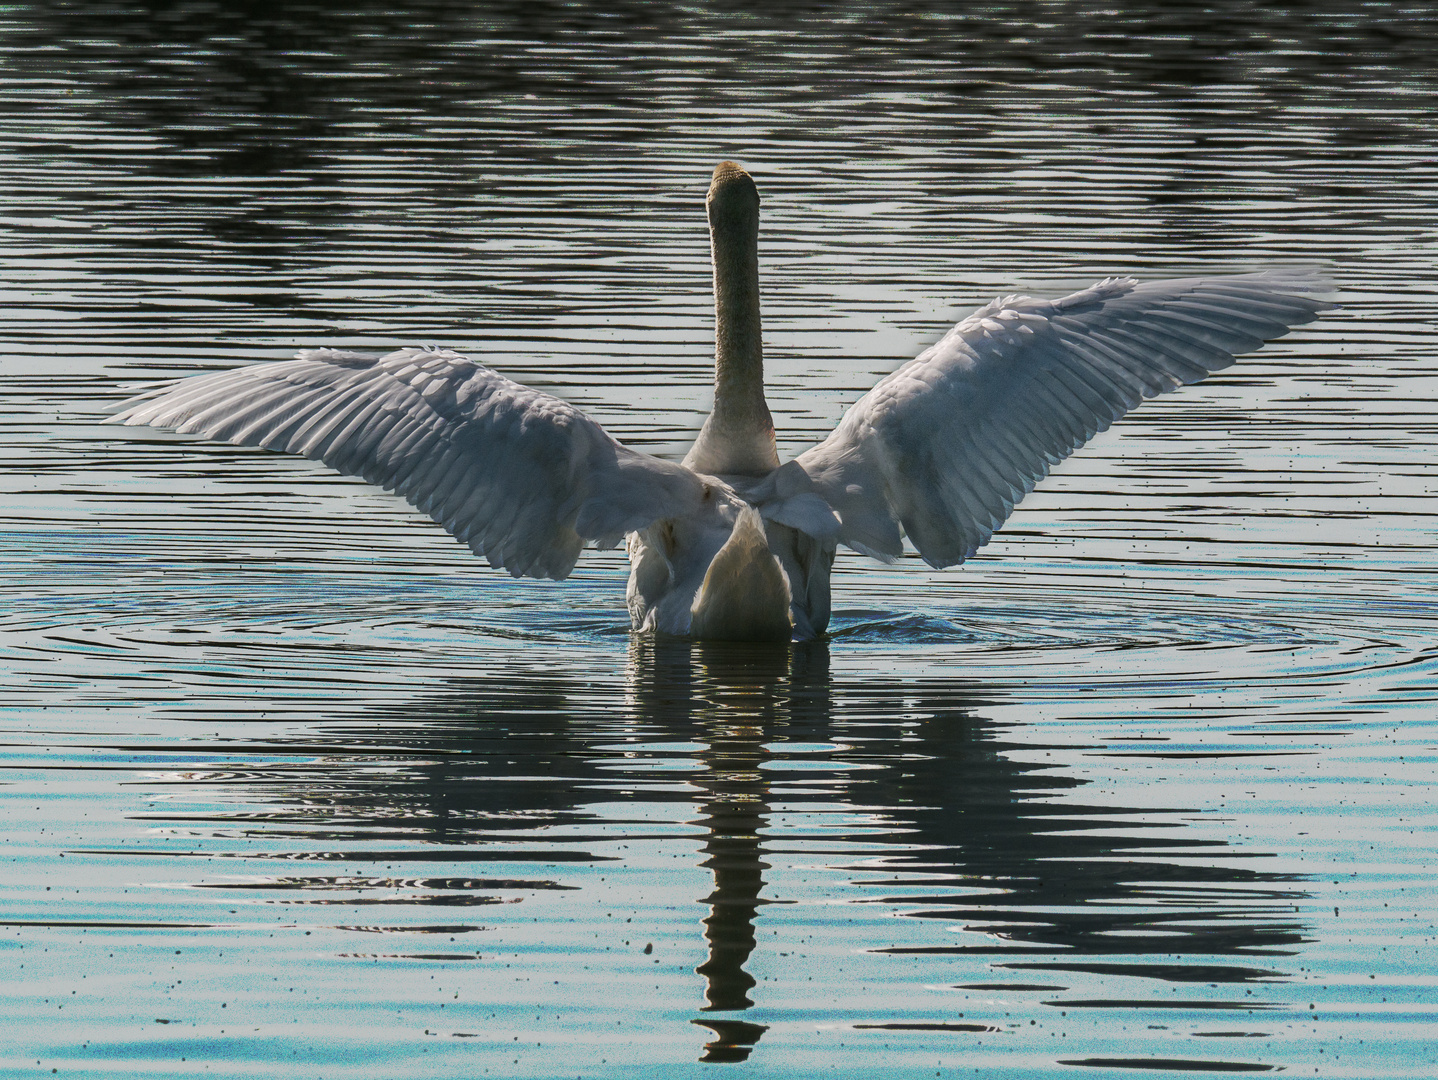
x=730, y=544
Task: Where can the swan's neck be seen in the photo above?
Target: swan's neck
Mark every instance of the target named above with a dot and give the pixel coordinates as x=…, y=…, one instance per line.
x=738, y=437
x=738, y=339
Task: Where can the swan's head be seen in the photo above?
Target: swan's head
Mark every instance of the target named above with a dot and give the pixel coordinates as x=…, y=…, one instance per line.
x=733, y=199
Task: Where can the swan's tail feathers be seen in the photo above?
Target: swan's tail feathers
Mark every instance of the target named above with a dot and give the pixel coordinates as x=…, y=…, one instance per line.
x=745, y=595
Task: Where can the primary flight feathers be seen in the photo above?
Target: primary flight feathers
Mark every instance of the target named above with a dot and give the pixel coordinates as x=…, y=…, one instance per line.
x=520, y=476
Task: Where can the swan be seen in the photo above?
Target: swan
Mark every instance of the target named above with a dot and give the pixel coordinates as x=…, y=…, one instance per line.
x=730, y=543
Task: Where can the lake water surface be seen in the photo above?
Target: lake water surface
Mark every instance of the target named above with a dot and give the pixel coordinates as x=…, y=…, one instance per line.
x=293, y=786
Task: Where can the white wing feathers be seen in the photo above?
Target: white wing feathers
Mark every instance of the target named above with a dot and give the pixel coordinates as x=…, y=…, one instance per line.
x=521, y=477
x=942, y=449
x=948, y=444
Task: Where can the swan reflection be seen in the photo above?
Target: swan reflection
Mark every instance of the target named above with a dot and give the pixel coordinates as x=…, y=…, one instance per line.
x=959, y=810
x=901, y=792
x=737, y=698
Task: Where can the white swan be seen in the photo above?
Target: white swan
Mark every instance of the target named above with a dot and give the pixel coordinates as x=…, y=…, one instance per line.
x=731, y=544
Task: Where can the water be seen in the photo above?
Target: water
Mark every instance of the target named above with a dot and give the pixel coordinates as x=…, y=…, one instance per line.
x=296, y=787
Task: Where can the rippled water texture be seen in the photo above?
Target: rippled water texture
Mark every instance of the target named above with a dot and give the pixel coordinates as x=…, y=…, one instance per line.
x=295, y=787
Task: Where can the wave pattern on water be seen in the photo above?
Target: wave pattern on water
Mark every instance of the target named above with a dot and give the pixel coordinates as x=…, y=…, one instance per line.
x=295, y=786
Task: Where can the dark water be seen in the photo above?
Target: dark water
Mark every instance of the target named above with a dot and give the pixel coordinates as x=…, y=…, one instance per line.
x=295, y=787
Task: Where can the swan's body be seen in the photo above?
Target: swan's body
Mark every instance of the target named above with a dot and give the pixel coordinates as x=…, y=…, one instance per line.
x=730, y=544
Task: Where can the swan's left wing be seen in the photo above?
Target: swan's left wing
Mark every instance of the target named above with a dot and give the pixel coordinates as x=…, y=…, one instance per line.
x=520, y=476
x=946, y=446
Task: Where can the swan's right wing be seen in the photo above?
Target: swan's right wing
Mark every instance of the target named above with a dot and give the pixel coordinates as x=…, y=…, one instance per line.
x=521, y=477
x=946, y=446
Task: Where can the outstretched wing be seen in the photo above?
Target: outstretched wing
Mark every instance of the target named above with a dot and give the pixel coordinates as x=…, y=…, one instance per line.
x=948, y=444
x=521, y=477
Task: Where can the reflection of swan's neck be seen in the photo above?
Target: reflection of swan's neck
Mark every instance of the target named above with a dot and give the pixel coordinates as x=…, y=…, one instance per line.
x=738, y=437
